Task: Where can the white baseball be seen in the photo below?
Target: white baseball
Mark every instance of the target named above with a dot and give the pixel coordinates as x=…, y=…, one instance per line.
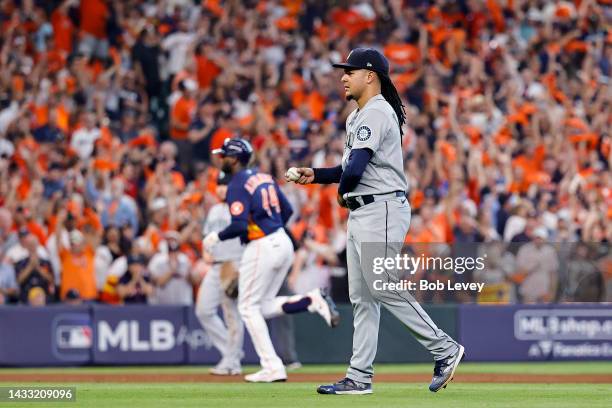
x=293, y=174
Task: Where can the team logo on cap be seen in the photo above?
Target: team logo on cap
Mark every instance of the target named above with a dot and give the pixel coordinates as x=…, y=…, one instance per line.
x=363, y=133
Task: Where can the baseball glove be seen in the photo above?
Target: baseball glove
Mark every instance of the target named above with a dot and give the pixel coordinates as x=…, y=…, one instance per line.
x=229, y=279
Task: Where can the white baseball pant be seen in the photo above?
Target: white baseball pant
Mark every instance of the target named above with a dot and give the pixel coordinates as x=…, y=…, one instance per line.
x=264, y=266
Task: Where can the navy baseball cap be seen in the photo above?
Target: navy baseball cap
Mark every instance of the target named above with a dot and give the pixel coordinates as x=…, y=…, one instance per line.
x=366, y=58
x=239, y=148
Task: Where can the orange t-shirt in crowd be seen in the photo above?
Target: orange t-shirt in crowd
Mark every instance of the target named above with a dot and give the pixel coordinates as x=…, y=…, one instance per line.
x=207, y=71
x=56, y=60
x=94, y=15
x=402, y=54
x=182, y=112
x=316, y=103
x=351, y=21
x=78, y=273
x=217, y=139
x=327, y=198
x=62, y=30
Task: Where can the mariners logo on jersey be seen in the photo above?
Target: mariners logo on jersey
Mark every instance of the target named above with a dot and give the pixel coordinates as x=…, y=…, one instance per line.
x=364, y=133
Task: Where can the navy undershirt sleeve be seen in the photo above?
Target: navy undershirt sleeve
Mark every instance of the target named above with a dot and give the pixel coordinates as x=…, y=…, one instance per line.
x=235, y=229
x=357, y=162
x=286, y=209
x=327, y=175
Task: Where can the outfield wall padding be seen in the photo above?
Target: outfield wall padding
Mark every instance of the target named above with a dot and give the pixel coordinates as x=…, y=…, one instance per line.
x=126, y=335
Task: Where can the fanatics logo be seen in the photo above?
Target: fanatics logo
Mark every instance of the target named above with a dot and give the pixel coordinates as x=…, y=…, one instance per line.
x=363, y=133
x=236, y=208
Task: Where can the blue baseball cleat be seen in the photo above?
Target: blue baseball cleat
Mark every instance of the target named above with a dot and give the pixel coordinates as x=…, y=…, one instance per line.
x=445, y=369
x=346, y=386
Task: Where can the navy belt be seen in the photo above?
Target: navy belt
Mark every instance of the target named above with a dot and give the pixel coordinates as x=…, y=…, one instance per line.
x=354, y=203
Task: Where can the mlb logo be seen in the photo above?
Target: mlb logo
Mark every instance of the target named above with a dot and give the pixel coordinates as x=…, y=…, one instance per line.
x=74, y=337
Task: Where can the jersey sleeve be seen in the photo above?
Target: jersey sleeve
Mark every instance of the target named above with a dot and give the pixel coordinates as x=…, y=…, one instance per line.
x=370, y=130
x=208, y=223
x=239, y=202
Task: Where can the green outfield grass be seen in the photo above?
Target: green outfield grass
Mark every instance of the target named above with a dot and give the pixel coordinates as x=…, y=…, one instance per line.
x=297, y=395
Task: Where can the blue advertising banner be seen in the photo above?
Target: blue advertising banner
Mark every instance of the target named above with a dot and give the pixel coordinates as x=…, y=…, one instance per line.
x=144, y=334
x=79, y=335
x=54, y=335
x=536, y=332
x=199, y=348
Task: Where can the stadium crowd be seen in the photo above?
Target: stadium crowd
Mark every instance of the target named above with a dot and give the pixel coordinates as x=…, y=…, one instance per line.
x=109, y=110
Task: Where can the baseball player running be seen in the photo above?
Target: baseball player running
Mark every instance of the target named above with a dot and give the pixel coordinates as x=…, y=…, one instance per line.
x=228, y=340
x=259, y=211
x=373, y=186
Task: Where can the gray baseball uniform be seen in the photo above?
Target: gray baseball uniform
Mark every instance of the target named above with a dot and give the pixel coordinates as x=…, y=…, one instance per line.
x=210, y=295
x=379, y=229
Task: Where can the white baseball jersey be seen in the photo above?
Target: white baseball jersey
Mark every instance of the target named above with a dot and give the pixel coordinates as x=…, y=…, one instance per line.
x=218, y=218
x=375, y=127
x=177, y=291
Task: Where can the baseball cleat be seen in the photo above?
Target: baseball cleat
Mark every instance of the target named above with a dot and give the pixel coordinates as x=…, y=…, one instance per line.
x=224, y=368
x=444, y=370
x=323, y=304
x=296, y=365
x=346, y=386
x=267, y=376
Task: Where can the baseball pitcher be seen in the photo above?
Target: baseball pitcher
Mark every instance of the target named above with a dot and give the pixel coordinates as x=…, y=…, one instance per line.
x=373, y=186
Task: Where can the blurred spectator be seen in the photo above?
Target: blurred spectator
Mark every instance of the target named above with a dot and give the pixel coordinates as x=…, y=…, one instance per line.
x=584, y=281
x=77, y=260
x=94, y=16
x=135, y=285
x=517, y=224
x=8, y=238
x=181, y=116
x=497, y=274
x=83, y=139
x=114, y=245
x=34, y=270
x=8, y=285
x=200, y=132
x=117, y=208
x=146, y=54
x=171, y=273
x=178, y=44
x=54, y=183
x=50, y=132
x=538, y=268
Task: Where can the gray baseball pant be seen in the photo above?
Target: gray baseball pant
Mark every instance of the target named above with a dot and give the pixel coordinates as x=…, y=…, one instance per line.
x=227, y=339
x=379, y=229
